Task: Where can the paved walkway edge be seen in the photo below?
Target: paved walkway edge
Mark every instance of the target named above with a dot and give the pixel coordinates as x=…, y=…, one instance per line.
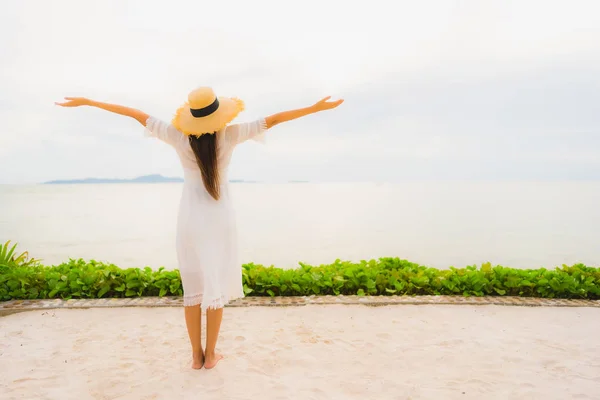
x=15, y=306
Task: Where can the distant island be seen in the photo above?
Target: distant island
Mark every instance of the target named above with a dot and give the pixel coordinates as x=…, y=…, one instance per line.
x=241, y=181
x=140, y=179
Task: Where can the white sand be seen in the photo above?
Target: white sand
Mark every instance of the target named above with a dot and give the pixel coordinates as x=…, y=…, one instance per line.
x=312, y=352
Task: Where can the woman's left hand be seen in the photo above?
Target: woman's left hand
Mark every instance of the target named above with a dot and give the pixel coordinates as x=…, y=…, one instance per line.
x=74, y=102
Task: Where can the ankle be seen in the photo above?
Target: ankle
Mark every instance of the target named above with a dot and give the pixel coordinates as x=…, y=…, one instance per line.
x=209, y=353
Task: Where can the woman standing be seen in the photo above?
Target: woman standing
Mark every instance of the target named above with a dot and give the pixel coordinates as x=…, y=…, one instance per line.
x=206, y=241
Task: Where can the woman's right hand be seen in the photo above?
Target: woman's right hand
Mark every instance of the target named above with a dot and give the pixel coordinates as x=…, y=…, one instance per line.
x=74, y=102
x=323, y=104
x=285, y=116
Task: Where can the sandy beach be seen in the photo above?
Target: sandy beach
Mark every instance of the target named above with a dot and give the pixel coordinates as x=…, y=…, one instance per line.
x=311, y=352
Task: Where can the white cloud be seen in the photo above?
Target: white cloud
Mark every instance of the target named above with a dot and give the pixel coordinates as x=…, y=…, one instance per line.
x=428, y=81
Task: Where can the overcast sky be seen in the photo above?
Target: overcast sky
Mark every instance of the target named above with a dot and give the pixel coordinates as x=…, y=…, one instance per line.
x=434, y=89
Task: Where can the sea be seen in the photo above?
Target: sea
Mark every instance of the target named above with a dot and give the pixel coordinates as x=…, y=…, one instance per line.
x=437, y=224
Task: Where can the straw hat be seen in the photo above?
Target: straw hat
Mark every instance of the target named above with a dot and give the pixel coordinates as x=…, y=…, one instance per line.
x=204, y=112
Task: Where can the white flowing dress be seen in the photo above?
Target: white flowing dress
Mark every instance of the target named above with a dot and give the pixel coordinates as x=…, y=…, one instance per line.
x=206, y=240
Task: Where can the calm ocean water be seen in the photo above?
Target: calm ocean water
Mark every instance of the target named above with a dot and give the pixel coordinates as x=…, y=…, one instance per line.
x=522, y=225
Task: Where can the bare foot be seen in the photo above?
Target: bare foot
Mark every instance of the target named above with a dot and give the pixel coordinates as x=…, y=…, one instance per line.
x=197, y=361
x=211, y=362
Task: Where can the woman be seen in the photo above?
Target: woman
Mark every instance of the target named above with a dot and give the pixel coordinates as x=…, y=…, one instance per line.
x=206, y=232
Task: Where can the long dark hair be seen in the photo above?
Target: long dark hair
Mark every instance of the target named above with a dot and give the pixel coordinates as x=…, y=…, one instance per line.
x=205, y=150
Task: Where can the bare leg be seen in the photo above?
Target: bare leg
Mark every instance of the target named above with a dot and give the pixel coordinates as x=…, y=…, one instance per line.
x=193, y=320
x=213, y=325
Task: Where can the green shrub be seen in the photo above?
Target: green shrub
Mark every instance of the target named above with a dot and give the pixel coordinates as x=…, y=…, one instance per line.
x=81, y=279
x=386, y=276
x=392, y=276
x=9, y=258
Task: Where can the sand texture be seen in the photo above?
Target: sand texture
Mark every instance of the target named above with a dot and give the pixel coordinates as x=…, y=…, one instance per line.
x=311, y=352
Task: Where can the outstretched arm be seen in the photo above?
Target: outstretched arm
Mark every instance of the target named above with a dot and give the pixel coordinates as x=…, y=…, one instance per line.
x=138, y=115
x=285, y=116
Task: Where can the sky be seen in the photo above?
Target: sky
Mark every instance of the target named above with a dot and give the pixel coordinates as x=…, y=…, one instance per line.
x=433, y=89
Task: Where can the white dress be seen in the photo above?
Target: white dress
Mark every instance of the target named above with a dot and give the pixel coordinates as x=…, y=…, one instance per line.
x=206, y=241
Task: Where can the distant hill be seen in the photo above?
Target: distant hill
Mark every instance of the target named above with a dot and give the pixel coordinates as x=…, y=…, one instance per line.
x=139, y=179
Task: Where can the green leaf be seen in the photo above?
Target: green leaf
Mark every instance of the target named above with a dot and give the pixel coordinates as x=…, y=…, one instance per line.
x=103, y=291
x=133, y=284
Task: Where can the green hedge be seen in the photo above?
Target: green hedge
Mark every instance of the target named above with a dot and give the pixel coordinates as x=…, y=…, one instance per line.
x=386, y=276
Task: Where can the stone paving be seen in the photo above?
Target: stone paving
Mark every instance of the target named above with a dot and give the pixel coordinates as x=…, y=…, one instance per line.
x=14, y=306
